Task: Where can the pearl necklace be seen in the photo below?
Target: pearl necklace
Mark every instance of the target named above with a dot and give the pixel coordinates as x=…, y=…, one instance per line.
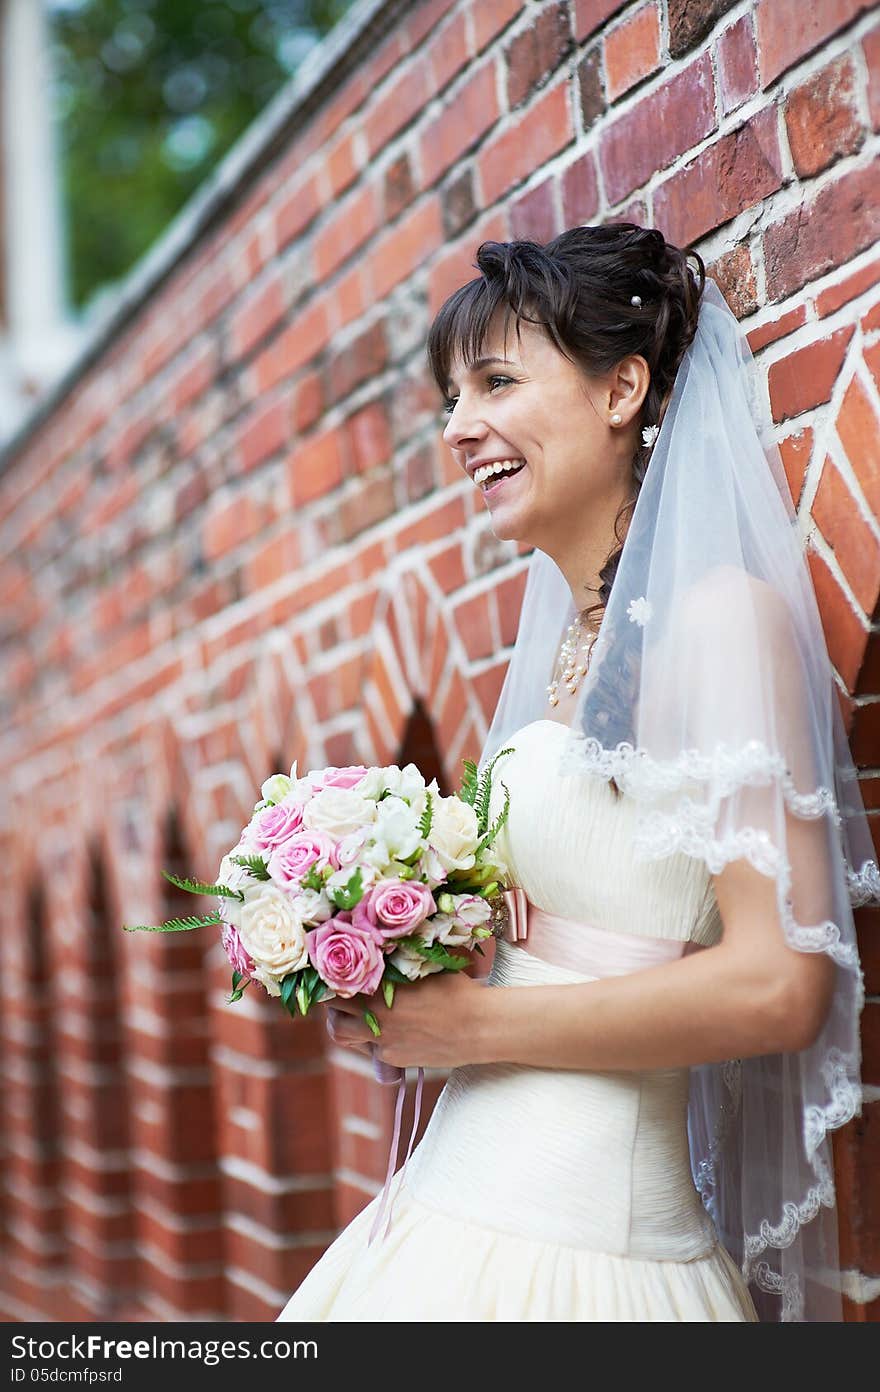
x=568, y=668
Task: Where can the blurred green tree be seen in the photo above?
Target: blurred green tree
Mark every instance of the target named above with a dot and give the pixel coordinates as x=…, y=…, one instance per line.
x=149, y=94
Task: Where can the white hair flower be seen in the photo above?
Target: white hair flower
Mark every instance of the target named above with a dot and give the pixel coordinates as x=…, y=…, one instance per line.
x=639, y=611
x=649, y=434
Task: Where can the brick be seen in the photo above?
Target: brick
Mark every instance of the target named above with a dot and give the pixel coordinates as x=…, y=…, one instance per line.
x=460, y=125
x=296, y=210
x=737, y=63
x=654, y=132
x=737, y=172
x=827, y=301
x=399, y=186
x=533, y=214
x=580, y=191
x=258, y=315
x=857, y=1159
x=775, y=329
x=788, y=30
x=849, y=536
x=844, y=634
x=364, y=356
x=591, y=88
x=857, y=428
x=534, y=53
x=304, y=338
x=541, y=132
x=589, y=15
x=405, y=248
x=691, y=20
x=354, y=222
x=795, y=451
x=822, y=118
x=489, y=18
x=632, y=50
x=734, y=274
x=871, y=49
x=262, y=434
x=807, y=376
x=474, y=625
x=839, y=222
x=400, y=103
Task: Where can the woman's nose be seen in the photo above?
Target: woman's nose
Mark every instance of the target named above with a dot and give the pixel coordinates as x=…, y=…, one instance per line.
x=459, y=431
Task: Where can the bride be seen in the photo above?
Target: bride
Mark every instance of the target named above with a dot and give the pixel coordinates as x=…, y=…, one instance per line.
x=637, y=1121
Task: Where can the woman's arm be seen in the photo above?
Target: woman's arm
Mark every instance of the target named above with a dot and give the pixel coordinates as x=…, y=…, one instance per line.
x=750, y=994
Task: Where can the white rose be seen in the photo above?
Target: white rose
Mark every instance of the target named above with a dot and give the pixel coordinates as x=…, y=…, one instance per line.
x=454, y=833
x=234, y=877
x=338, y=812
x=312, y=906
x=412, y=963
x=273, y=935
x=406, y=782
x=396, y=827
x=276, y=787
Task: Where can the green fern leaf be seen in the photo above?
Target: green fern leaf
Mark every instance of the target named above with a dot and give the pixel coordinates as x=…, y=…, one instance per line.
x=201, y=887
x=174, y=925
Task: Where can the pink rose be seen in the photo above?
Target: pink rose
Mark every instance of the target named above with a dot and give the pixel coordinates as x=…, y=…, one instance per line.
x=348, y=958
x=289, y=862
x=333, y=777
x=394, y=908
x=274, y=825
x=234, y=949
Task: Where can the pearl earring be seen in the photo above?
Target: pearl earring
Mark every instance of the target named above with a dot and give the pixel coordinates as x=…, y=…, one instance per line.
x=616, y=418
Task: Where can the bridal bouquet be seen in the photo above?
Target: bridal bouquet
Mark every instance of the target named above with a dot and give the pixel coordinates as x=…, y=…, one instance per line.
x=348, y=879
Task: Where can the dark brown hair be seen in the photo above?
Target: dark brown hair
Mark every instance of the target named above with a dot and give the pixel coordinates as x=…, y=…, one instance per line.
x=578, y=287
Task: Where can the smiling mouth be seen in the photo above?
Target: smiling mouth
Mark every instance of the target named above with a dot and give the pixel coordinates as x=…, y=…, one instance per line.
x=486, y=480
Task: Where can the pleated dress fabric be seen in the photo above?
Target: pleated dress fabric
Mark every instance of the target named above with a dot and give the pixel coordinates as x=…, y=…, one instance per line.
x=541, y=1194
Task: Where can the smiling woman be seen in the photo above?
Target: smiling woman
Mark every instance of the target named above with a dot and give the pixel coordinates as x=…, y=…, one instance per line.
x=587, y=370
x=636, y=1122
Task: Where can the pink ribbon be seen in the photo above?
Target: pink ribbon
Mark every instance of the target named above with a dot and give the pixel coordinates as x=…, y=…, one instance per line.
x=390, y=1073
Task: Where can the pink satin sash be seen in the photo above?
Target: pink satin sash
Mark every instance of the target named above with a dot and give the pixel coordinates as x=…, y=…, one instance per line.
x=579, y=946
x=566, y=943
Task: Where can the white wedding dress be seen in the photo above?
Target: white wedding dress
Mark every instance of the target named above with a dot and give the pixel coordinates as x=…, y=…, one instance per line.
x=540, y=1193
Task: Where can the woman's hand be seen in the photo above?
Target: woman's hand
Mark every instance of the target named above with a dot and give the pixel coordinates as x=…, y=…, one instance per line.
x=432, y=1023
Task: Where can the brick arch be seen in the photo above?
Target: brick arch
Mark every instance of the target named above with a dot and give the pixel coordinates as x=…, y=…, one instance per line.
x=419, y=653
x=270, y=1074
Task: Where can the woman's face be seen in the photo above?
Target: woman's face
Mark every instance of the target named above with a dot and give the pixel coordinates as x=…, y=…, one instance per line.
x=531, y=403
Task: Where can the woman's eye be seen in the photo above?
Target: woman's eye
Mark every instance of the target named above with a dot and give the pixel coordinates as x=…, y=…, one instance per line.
x=449, y=403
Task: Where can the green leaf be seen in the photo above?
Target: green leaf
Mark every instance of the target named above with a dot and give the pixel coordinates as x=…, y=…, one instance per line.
x=174, y=925
x=236, y=977
x=427, y=816
x=394, y=973
x=350, y=894
x=201, y=887
x=254, y=863
x=302, y=998
x=288, y=986
x=437, y=952
x=388, y=992
x=235, y=996
x=372, y=1021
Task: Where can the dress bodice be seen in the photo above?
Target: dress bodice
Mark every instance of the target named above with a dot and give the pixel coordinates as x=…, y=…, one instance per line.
x=568, y=842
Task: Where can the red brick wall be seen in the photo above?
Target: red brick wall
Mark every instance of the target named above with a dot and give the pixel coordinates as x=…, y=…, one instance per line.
x=237, y=538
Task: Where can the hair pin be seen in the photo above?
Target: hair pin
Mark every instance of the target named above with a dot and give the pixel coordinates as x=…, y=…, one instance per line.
x=636, y=300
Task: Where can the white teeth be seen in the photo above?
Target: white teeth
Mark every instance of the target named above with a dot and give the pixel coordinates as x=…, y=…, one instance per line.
x=487, y=470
